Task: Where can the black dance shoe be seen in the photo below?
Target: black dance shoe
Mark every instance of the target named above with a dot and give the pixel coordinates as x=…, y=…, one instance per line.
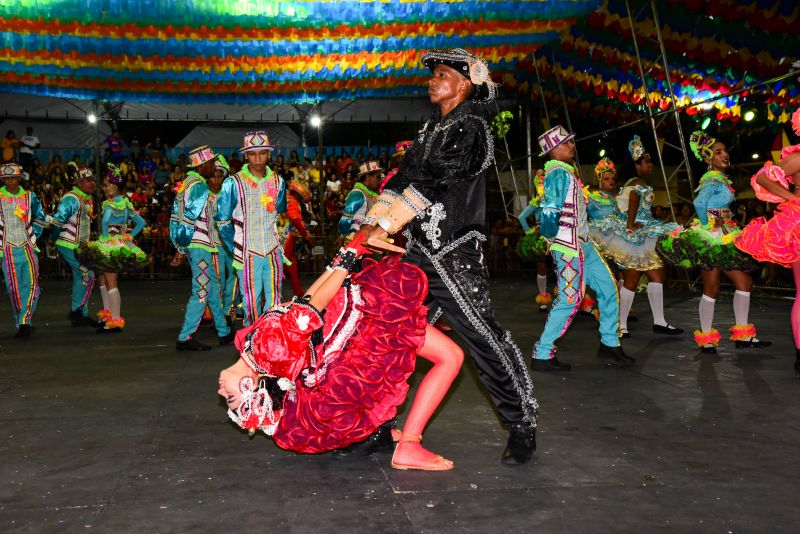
x=552, y=365
x=615, y=356
x=378, y=441
x=750, y=344
x=104, y=330
x=24, y=330
x=227, y=338
x=668, y=330
x=709, y=350
x=77, y=319
x=521, y=444
x=191, y=344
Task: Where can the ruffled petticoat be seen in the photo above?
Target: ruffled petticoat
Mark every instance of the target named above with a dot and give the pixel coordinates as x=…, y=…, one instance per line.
x=699, y=247
x=372, y=332
x=635, y=249
x=776, y=240
x=114, y=253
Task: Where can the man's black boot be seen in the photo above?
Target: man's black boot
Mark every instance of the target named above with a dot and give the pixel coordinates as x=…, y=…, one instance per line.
x=615, y=356
x=521, y=444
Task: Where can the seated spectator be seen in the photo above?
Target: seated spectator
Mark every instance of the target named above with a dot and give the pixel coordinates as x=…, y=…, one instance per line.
x=55, y=161
x=235, y=163
x=139, y=198
x=161, y=176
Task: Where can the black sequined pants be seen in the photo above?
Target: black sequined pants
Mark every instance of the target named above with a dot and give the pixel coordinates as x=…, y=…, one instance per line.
x=458, y=287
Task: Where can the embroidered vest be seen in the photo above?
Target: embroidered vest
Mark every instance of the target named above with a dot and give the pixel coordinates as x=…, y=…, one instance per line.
x=254, y=223
x=16, y=227
x=205, y=229
x=77, y=229
x=572, y=224
x=181, y=229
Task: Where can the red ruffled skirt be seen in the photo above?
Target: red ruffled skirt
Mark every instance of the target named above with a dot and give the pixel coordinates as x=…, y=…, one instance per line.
x=776, y=240
x=373, y=331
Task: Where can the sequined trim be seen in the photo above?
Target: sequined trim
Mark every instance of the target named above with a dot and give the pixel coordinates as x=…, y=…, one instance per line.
x=521, y=381
x=431, y=228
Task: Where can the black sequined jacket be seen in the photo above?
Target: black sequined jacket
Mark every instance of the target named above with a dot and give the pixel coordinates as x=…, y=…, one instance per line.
x=447, y=166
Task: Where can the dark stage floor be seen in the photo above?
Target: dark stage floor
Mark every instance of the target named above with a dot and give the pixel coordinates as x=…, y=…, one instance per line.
x=122, y=434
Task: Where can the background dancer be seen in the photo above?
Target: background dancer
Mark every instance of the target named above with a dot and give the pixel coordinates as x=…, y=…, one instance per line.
x=533, y=247
x=247, y=215
x=114, y=250
x=74, y=217
x=632, y=237
x=191, y=230
x=708, y=245
x=575, y=259
x=22, y=220
x=777, y=240
x=297, y=196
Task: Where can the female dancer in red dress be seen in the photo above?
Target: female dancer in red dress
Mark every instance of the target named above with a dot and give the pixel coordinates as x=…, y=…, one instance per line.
x=316, y=384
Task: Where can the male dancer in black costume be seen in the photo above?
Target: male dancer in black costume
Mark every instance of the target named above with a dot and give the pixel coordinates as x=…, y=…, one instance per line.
x=439, y=196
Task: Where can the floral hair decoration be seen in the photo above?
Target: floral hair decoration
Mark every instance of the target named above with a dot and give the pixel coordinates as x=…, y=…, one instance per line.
x=701, y=144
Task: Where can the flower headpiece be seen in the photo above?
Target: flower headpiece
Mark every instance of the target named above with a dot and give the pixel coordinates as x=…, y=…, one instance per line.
x=701, y=144
x=258, y=410
x=636, y=148
x=796, y=121
x=114, y=174
x=604, y=165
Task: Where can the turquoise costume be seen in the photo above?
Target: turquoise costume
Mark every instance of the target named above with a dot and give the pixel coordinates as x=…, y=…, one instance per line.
x=21, y=222
x=708, y=242
x=247, y=214
x=114, y=251
x=191, y=230
x=74, y=215
x=356, y=206
x=563, y=216
x=532, y=247
x=632, y=249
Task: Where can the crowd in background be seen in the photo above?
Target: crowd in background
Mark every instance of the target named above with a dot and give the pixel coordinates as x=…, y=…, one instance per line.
x=151, y=178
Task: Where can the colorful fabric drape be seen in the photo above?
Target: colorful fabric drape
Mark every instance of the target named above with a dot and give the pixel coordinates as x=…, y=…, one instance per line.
x=258, y=51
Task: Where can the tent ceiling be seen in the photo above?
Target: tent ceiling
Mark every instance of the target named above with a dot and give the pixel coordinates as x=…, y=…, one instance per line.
x=259, y=51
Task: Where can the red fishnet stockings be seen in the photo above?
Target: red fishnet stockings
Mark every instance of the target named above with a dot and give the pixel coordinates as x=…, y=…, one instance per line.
x=446, y=357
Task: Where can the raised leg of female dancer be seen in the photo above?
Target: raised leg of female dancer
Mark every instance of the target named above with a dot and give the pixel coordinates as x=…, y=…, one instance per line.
x=796, y=316
x=447, y=358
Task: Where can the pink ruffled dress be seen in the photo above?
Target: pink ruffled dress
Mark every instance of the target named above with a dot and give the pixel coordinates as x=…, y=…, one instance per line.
x=776, y=240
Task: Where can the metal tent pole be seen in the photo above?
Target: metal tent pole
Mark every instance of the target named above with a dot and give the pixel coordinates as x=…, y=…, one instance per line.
x=676, y=113
x=647, y=104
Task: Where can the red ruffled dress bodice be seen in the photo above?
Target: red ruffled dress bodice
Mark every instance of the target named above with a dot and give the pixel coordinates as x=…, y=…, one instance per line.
x=354, y=380
x=776, y=240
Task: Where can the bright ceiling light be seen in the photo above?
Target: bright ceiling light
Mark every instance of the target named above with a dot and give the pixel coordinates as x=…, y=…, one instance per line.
x=755, y=156
x=315, y=121
x=749, y=115
x=92, y=118
x=602, y=152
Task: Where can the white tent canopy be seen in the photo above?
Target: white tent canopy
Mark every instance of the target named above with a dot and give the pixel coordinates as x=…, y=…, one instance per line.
x=231, y=135
x=61, y=134
x=364, y=110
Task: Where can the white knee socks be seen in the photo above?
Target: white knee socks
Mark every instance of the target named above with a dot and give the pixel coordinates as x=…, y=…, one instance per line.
x=115, y=302
x=741, y=306
x=104, y=296
x=706, y=313
x=625, y=303
x=655, y=294
x=541, y=283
